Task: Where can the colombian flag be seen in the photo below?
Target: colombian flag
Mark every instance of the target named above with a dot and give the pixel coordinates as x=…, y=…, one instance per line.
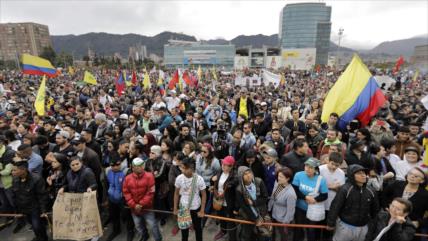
x=37, y=66
x=120, y=84
x=354, y=95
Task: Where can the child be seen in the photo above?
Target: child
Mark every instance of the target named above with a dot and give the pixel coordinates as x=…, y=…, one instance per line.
x=187, y=186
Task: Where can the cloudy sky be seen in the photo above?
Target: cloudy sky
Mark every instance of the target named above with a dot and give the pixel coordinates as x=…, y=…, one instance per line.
x=366, y=23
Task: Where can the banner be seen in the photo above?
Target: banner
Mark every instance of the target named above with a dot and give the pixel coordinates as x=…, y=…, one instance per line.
x=269, y=77
x=76, y=217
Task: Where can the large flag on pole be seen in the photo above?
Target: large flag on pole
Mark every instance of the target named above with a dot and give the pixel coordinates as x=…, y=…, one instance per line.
x=354, y=95
x=39, y=104
x=146, y=81
x=397, y=66
x=37, y=66
x=174, y=80
x=120, y=84
x=89, y=78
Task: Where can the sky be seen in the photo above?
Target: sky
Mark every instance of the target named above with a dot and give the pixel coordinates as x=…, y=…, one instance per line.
x=366, y=23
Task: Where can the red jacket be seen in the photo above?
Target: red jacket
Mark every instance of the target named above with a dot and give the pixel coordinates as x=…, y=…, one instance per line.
x=139, y=189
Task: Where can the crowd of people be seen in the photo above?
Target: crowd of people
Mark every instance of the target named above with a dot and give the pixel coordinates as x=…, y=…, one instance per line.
x=259, y=154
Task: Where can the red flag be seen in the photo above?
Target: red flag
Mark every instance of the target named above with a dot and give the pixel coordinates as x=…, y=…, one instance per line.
x=194, y=81
x=173, y=81
x=318, y=68
x=186, y=78
x=134, y=78
x=400, y=61
x=120, y=84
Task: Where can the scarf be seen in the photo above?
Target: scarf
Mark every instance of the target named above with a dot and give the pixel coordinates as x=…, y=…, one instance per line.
x=329, y=143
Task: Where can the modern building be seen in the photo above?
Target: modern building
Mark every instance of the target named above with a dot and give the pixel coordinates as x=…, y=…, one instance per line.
x=19, y=38
x=138, y=52
x=306, y=25
x=178, y=53
x=265, y=57
x=419, y=60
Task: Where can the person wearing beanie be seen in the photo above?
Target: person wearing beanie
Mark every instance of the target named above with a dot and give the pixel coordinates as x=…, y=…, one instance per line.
x=160, y=170
x=139, y=192
x=224, y=184
x=30, y=198
x=270, y=166
x=304, y=184
x=251, y=200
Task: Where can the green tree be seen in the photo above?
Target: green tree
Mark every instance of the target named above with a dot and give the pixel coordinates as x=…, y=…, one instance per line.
x=64, y=59
x=49, y=54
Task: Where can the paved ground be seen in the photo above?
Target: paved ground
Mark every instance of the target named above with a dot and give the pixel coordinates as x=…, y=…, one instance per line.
x=26, y=234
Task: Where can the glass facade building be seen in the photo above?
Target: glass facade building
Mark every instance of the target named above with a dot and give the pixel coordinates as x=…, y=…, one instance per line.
x=306, y=25
x=183, y=54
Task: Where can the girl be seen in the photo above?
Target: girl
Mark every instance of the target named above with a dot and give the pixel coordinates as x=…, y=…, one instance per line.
x=187, y=186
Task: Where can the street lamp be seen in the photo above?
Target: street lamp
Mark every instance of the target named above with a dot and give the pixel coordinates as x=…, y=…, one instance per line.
x=338, y=46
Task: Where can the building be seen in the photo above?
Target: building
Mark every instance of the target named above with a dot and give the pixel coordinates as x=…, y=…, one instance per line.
x=179, y=53
x=19, y=38
x=265, y=57
x=306, y=25
x=137, y=52
x=419, y=60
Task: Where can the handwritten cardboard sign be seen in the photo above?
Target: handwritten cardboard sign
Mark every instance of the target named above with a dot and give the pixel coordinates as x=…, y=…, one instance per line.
x=76, y=216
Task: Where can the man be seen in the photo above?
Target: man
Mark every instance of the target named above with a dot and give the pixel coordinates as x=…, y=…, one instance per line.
x=192, y=122
x=248, y=138
x=139, y=191
x=62, y=144
x=91, y=143
x=389, y=146
x=89, y=158
x=403, y=141
x=295, y=160
x=262, y=125
x=165, y=119
x=295, y=124
x=297, y=104
x=355, y=205
x=71, y=131
x=49, y=130
x=102, y=126
x=331, y=139
x=245, y=105
x=393, y=224
x=31, y=198
x=89, y=123
x=6, y=196
x=35, y=162
x=213, y=111
x=183, y=137
x=276, y=141
x=172, y=101
x=235, y=148
x=332, y=122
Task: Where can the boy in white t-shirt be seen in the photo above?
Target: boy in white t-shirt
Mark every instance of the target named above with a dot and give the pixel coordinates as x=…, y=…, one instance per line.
x=334, y=176
x=182, y=196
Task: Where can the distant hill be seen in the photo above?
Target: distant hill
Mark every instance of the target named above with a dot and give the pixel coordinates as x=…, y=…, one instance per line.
x=108, y=44
x=402, y=46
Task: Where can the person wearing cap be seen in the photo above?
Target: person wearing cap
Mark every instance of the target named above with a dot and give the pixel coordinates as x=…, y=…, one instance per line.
x=353, y=207
x=224, y=184
x=270, y=166
x=412, y=158
x=304, y=184
x=251, y=201
x=139, y=191
x=30, y=197
x=115, y=177
x=62, y=144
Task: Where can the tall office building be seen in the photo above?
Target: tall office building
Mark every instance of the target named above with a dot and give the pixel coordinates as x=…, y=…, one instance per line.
x=306, y=25
x=19, y=38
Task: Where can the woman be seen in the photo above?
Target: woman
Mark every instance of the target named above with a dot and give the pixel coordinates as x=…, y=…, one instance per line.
x=148, y=141
x=189, y=149
x=251, y=199
x=411, y=159
x=314, y=138
x=79, y=178
x=203, y=130
x=167, y=146
x=109, y=153
x=169, y=133
x=282, y=202
x=224, y=184
x=56, y=176
x=364, y=135
x=160, y=170
x=304, y=184
x=413, y=189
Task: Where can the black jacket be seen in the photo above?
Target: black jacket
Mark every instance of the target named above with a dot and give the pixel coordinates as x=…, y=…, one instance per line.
x=91, y=160
x=398, y=232
x=364, y=161
x=30, y=195
x=78, y=182
x=353, y=204
x=418, y=200
x=294, y=161
x=7, y=156
x=260, y=203
x=230, y=187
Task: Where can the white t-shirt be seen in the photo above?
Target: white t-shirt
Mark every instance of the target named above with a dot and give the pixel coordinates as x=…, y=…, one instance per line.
x=223, y=178
x=172, y=102
x=393, y=160
x=185, y=184
x=331, y=177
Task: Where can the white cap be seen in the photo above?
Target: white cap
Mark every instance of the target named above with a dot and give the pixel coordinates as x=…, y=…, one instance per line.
x=263, y=103
x=123, y=117
x=138, y=161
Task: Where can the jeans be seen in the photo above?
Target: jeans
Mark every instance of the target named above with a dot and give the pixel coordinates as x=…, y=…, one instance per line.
x=37, y=224
x=197, y=225
x=149, y=218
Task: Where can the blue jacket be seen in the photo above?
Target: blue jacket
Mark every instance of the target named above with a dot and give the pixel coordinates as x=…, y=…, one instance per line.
x=165, y=121
x=115, y=181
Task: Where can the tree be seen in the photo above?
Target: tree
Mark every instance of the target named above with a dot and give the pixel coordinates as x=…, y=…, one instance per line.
x=64, y=59
x=49, y=54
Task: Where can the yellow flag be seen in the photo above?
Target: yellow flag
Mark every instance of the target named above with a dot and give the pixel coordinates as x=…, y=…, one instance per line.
x=214, y=72
x=70, y=70
x=39, y=104
x=199, y=73
x=282, y=81
x=146, y=81
x=89, y=78
x=415, y=77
